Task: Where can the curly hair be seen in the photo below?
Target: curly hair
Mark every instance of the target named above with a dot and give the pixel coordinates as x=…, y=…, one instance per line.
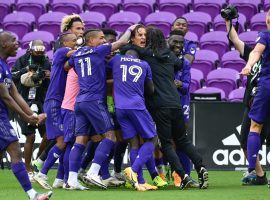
x=68, y=20
x=155, y=39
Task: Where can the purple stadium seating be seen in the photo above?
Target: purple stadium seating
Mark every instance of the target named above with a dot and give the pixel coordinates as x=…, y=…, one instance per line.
x=211, y=90
x=50, y=55
x=266, y=5
x=93, y=19
x=196, y=77
x=122, y=20
x=5, y=8
x=162, y=20
x=198, y=22
x=249, y=37
x=67, y=7
x=191, y=36
x=45, y=36
x=19, y=23
x=219, y=23
x=11, y=60
x=237, y=95
x=216, y=41
x=37, y=8
x=141, y=7
x=205, y=61
x=212, y=7
x=223, y=78
x=174, y=6
x=247, y=7
x=232, y=60
x=257, y=22
x=107, y=7
x=51, y=22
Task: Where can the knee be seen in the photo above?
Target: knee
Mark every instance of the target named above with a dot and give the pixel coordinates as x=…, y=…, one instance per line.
x=255, y=127
x=110, y=135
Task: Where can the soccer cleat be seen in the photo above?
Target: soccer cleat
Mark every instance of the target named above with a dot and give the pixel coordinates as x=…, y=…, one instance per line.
x=76, y=186
x=31, y=177
x=131, y=176
x=194, y=184
x=163, y=176
x=128, y=185
x=159, y=182
x=119, y=176
x=203, y=178
x=147, y=186
x=186, y=182
x=43, y=196
x=113, y=182
x=176, y=179
x=259, y=180
x=37, y=165
x=58, y=183
x=168, y=172
x=43, y=181
x=248, y=177
x=139, y=187
x=95, y=180
x=81, y=175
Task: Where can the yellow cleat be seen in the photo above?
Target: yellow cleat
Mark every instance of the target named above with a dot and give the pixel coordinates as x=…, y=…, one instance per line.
x=131, y=176
x=147, y=186
x=163, y=176
x=176, y=179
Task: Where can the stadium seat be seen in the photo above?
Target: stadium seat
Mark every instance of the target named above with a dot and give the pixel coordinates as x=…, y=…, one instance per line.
x=162, y=20
x=50, y=55
x=141, y=7
x=257, y=22
x=51, y=22
x=266, y=5
x=211, y=90
x=196, y=78
x=198, y=22
x=232, y=60
x=67, y=7
x=11, y=60
x=219, y=23
x=93, y=19
x=174, y=6
x=205, y=61
x=212, y=7
x=191, y=36
x=223, y=78
x=5, y=8
x=249, y=37
x=216, y=41
x=237, y=95
x=45, y=36
x=107, y=7
x=19, y=23
x=37, y=8
x=122, y=20
x=247, y=7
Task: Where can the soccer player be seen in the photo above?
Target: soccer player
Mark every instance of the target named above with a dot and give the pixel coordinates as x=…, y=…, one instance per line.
x=52, y=106
x=260, y=110
x=11, y=99
x=130, y=75
x=92, y=116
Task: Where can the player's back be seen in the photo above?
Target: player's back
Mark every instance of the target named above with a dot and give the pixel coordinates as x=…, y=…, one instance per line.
x=129, y=74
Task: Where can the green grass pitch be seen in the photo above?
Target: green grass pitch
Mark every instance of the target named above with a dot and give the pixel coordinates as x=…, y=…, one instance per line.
x=223, y=185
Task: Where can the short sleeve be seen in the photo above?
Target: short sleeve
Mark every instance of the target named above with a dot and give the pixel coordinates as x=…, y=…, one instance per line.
x=190, y=48
x=148, y=71
x=71, y=62
x=104, y=49
x=262, y=38
x=61, y=54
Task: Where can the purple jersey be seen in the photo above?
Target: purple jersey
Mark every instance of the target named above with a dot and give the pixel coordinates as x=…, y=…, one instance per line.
x=6, y=78
x=89, y=64
x=129, y=75
x=58, y=79
x=189, y=47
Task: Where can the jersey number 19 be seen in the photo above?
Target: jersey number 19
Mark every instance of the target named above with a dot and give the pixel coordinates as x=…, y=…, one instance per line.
x=133, y=70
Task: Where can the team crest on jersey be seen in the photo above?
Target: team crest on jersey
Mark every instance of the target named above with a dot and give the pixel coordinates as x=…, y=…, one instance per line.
x=192, y=50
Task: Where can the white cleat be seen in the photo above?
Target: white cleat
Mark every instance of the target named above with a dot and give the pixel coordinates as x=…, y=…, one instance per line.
x=43, y=181
x=43, y=196
x=95, y=180
x=58, y=183
x=113, y=182
x=75, y=186
x=31, y=177
x=119, y=176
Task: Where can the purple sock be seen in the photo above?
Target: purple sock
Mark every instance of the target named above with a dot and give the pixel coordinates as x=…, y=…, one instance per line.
x=53, y=155
x=60, y=169
x=159, y=161
x=89, y=155
x=151, y=167
x=103, y=150
x=75, y=157
x=104, y=170
x=133, y=154
x=20, y=172
x=253, y=147
x=119, y=151
x=66, y=161
x=144, y=154
x=185, y=161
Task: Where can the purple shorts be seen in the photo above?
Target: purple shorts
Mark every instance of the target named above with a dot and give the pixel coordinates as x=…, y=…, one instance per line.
x=136, y=122
x=260, y=109
x=54, y=121
x=92, y=117
x=185, y=101
x=7, y=133
x=69, y=125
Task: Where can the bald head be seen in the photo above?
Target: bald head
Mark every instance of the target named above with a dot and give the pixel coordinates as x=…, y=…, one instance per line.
x=8, y=45
x=5, y=36
x=268, y=20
